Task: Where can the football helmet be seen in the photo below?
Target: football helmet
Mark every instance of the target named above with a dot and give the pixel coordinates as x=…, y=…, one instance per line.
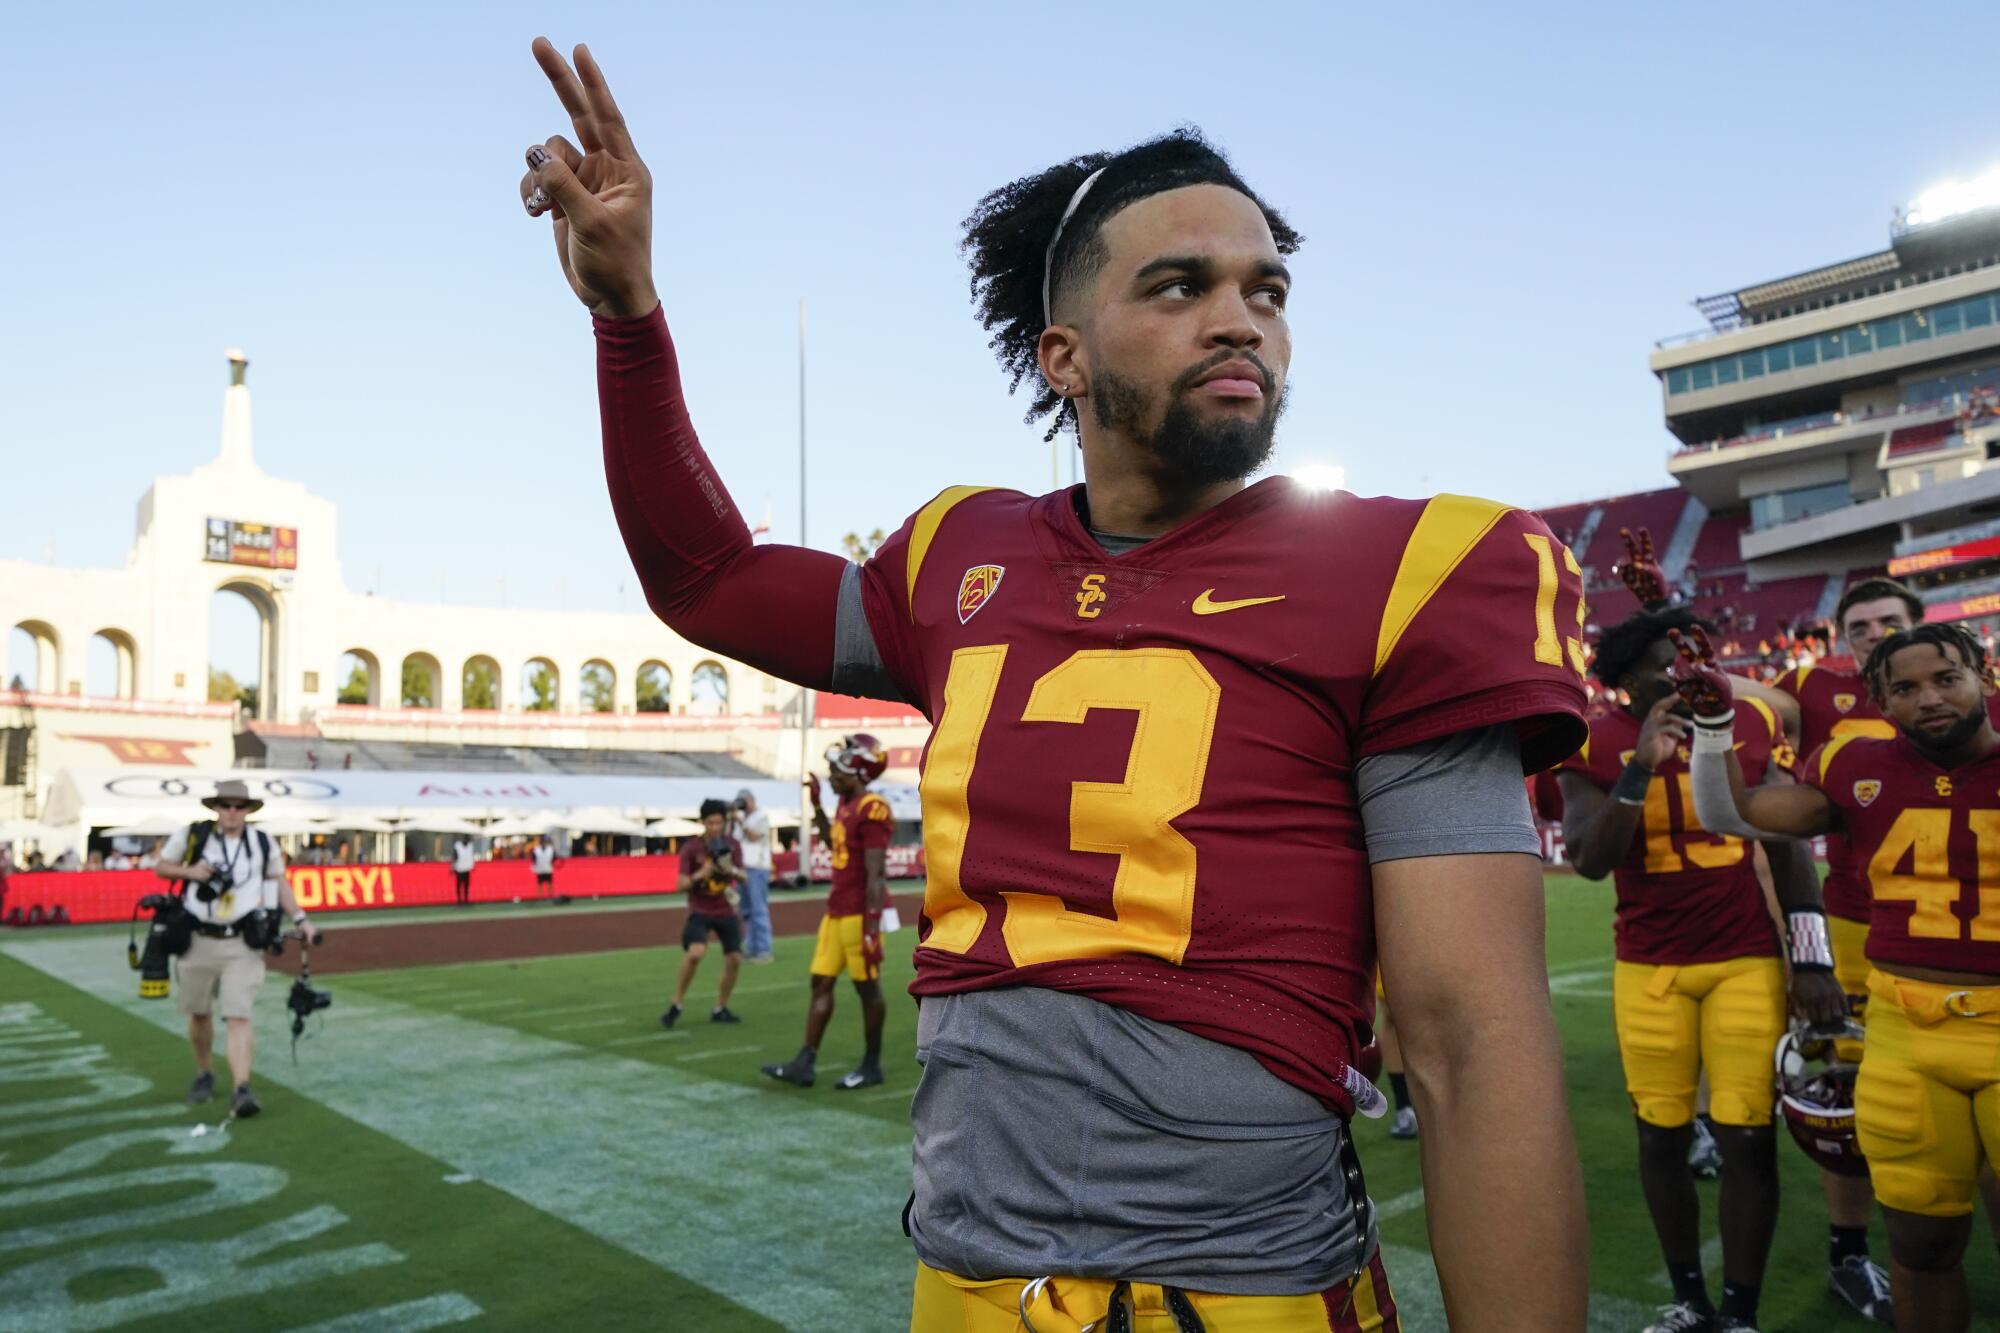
x=1816, y=1096
x=859, y=755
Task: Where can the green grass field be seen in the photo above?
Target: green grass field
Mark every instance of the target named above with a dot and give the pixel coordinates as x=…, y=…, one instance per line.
x=518, y=1145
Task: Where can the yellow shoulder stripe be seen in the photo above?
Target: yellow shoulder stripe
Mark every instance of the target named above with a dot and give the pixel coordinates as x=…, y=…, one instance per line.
x=1583, y=751
x=1833, y=747
x=1799, y=675
x=1764, y=711
x=925, y=527
x=1446, y=532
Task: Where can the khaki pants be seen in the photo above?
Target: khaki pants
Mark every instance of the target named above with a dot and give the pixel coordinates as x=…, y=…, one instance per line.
x=225, y=967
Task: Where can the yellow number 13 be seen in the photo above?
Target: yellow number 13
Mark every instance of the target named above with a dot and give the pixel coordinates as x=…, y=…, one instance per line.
x=1548, y=647
x=1152, y=896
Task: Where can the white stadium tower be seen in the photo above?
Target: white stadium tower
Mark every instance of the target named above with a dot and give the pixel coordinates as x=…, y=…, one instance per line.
x=427, y=687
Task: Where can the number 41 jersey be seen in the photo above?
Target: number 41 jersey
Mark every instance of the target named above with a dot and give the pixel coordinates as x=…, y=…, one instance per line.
x=1139, y=785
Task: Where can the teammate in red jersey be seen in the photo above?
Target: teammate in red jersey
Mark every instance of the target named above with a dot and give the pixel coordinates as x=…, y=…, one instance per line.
x=1922, y=811
x=1202, y=752
x=1817, y=705
x=1698, y=985
x=850, y=934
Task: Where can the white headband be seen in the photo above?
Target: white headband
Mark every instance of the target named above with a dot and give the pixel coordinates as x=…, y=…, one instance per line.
x=1048, y=260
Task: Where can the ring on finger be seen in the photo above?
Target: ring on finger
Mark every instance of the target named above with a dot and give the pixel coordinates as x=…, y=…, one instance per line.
x=537, y=200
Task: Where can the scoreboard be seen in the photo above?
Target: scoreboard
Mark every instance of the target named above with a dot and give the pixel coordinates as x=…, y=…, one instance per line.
x=230, y=542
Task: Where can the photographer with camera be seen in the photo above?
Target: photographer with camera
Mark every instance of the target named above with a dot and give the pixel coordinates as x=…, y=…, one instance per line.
x=712, y=878
x=753, y=829
x=234, y=886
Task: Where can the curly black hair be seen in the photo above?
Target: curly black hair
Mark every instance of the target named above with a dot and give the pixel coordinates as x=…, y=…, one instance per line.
x=1943, y=634
x=1620, y=647
x=1008, y=233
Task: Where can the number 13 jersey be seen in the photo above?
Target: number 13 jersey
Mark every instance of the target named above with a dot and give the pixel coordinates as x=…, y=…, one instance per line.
x=1139, y=785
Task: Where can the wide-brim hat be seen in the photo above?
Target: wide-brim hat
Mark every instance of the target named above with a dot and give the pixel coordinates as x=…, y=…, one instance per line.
x=232, y=790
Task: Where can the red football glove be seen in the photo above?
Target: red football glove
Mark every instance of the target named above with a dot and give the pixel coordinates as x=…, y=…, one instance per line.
x=1640, y=572
x=1698, y=680
x=871, y=939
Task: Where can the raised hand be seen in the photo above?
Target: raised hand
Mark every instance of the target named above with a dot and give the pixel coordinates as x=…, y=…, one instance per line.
x=1696, y=677
x=601, y=197
x=1661, y=735
x=1640, y=572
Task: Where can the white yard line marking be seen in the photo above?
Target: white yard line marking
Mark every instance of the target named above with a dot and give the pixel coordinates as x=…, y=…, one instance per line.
x=648, y=1037
x=584, y=1009
x=589, y=1023
x=710, y=1055
x=886, y=1093
x=1403, y=1203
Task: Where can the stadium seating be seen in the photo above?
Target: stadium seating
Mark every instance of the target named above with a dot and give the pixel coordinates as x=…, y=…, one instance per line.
x=1922, y=439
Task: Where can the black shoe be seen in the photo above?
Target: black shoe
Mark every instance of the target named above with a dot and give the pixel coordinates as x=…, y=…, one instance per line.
x=202, y=1089
x=672, y=1016
x=866, y=1076
x=797, y=1072
x=244, y=1104
x=1864, y=1286
x=721, y=1014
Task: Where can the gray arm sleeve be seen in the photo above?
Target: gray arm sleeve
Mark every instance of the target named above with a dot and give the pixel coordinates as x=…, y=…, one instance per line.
x=1457, y=795
x=1714, y=805
x=857, y=663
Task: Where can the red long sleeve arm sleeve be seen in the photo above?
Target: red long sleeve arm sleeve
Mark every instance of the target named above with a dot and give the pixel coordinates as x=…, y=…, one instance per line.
x=772, y=607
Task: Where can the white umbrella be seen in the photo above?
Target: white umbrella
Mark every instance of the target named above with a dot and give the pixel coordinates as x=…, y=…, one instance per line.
x=153, y=826
x=442, y=824
x=279, y=826
x=604, y=821
x=28, y=830
x=521, y=826
x=359, y=824
x=672, y=827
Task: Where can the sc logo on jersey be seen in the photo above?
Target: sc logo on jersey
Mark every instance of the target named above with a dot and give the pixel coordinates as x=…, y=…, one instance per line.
x=1089, y=597
x=1844, y=703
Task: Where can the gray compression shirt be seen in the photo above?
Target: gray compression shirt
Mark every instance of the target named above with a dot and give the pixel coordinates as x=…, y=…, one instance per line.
x=1254, y=1201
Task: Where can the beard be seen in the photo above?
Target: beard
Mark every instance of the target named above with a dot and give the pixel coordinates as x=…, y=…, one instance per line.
x=1960, y=735
x=1197, y=449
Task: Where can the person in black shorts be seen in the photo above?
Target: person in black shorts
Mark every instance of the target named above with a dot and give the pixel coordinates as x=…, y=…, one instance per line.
x=711, y=876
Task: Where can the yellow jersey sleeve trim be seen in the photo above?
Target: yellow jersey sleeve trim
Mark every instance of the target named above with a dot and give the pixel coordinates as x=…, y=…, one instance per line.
x=1833, y=747
x=1764, y=711
x=1583, y=750
x=1446, y=532
x=875, y=808
x=925, y=527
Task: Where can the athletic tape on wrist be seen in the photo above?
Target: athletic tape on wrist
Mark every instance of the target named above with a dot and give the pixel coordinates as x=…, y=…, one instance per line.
x=1811, y=949
x=1630, y=789
x=1715, y=735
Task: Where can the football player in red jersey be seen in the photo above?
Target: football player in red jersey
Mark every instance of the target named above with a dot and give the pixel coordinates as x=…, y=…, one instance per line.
x=850, y=934
x=1202, y=752
x=1923, y=817
x=1817, y=705
x=1698, y=984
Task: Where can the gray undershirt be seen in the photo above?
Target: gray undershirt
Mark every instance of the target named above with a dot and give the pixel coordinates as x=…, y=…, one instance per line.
x=1059, y=1134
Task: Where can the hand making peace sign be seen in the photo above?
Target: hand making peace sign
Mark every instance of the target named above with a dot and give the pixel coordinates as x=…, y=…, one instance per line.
x=600, y=198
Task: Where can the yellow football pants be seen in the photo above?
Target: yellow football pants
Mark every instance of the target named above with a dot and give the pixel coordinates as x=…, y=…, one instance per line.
x=1674, y=1022
x=947, y=1303
x=1927, y=1103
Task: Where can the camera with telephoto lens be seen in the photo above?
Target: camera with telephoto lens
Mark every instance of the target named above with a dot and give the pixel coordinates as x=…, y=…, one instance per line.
x=722, y=869
x=167, y=937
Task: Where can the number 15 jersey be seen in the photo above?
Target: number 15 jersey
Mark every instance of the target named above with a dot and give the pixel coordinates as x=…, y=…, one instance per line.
x=1139, y=785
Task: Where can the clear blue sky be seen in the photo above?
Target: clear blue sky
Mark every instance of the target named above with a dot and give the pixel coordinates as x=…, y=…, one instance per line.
x=1504, y=208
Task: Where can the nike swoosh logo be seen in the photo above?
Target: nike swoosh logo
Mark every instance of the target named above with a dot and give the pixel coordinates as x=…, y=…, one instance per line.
x=1205, y=606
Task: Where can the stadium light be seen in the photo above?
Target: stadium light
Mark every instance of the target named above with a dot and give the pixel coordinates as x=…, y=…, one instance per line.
x=1321, y=476
x=1952, y=198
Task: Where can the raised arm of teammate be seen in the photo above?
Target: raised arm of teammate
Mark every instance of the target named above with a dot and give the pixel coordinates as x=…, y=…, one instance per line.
x=1721, y=801
x=1598, y=829
x=691, y=547
x=1640, y=571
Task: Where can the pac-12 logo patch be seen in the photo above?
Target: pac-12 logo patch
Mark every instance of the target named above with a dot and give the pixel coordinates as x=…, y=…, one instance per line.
x=976, y=589
x=1844, y=703
x=1866, y=790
